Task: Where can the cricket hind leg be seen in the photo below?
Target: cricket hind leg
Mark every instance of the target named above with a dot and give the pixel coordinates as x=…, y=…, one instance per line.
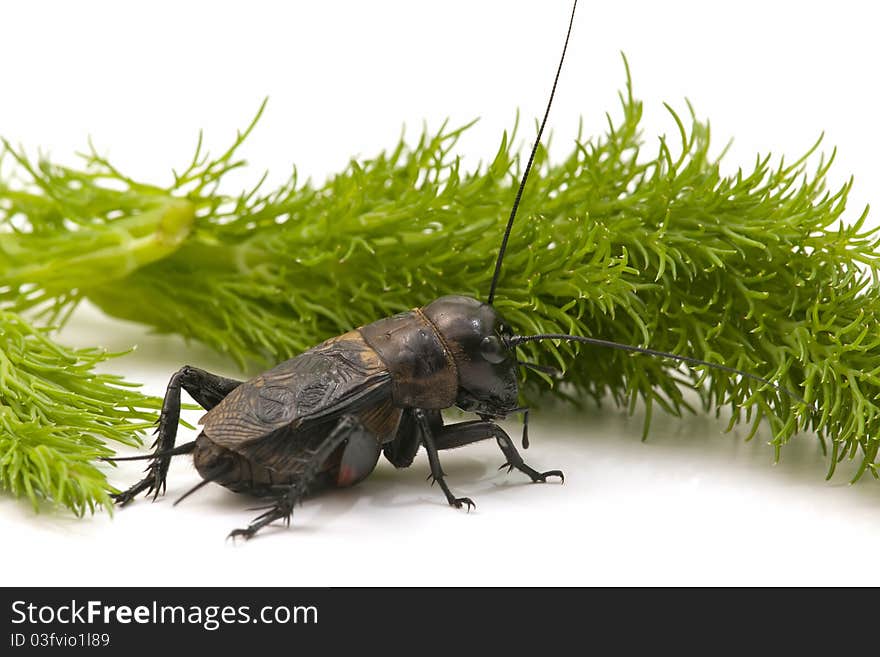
x=282, y=507
x=208, y=390
x=465, y=433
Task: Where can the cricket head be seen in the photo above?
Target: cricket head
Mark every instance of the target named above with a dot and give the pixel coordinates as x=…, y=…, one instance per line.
x=477, y=337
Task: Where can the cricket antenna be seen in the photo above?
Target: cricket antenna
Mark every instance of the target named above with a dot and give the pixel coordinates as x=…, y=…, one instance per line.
x=525, y=177
x=520, y=339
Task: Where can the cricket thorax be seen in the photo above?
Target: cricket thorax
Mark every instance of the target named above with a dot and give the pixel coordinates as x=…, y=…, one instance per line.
x=423, y=371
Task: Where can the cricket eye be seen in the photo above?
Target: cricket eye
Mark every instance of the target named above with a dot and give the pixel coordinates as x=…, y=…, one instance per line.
x=492, y=349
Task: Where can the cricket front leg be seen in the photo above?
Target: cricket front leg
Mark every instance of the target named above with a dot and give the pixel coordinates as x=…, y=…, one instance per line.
x=465, y=433
x=437, y=475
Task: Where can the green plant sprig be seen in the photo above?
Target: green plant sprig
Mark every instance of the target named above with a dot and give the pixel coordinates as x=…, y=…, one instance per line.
x=753, y=270
x=56, y=418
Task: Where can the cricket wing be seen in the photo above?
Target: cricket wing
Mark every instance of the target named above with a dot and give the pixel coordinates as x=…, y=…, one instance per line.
x=342, y=375
x=290, y=449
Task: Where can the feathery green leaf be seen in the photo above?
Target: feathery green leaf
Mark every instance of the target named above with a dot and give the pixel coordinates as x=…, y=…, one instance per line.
x=654, y=247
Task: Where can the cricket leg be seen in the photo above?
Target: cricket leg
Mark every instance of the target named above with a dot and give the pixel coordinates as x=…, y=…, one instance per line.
x=208, y=390
x=465, y=433
x=401, y=451
x=348, y=427
x=437, y=475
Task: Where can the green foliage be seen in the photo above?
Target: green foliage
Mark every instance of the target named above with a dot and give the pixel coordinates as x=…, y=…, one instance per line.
x=753, y=270
x=56, y=415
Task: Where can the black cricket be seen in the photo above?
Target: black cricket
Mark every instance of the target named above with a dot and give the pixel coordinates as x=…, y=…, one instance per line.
x=321, y=419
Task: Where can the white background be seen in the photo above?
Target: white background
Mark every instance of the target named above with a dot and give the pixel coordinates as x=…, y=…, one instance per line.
x=693, y=505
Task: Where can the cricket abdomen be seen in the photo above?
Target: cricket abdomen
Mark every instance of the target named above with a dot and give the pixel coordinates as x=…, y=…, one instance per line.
x=348, y=465
x=234, y=471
